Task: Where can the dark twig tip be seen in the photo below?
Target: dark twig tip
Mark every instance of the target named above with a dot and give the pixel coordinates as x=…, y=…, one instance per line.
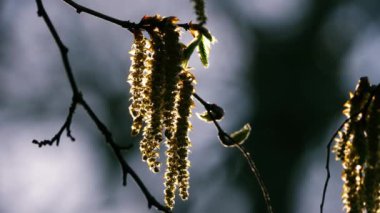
x=68, y=134
x=43, y=143
x=124, y=178
x=71, y=138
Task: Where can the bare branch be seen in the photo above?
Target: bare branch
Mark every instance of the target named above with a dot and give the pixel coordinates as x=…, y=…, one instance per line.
x=131, y=26
x=79, y=8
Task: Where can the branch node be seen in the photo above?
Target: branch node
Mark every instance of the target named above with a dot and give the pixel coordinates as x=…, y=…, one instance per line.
x=150, y=205
x=68, y=134
x=65, y=49
x=185, y=26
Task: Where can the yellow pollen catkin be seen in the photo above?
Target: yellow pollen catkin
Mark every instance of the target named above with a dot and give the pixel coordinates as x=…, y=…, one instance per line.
x=358, y=147
x=135, y=79
x=161, y=90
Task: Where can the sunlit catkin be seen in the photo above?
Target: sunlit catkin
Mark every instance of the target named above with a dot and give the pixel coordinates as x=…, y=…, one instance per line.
x=162, y=88
x=173, y=56
x=152, y=133
x=139, y=57
x=171, y=174
x=177, y=173
x=372, y=176
x=358, y=148
x=185, y=103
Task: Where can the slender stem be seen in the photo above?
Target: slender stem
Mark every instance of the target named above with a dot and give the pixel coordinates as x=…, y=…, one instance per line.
x=78, y=99
x=256, y=172
x=327, y=166
x=245, y=153
x=63, y=49
x=79, y=8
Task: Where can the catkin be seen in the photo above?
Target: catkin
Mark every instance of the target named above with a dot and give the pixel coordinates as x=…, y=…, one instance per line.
x=372, y=176
x=162, y=90
x=139, y=57
x=185, y=103
x=173, y=50
x=358, y=148
x=152, y=133
x=171, y=174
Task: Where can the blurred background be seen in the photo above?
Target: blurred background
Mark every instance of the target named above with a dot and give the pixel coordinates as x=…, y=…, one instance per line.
x=285, y=66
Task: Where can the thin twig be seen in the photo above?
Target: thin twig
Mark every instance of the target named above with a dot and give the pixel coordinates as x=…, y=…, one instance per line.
x=78, y=99
x=327, y=166
x=222, y=134
x=79, y=8
x=125, y=24
x=256, y=172
x=66, y=126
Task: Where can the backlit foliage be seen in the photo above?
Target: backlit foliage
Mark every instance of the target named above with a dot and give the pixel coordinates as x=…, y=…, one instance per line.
x=357, y=146
x=162, y=86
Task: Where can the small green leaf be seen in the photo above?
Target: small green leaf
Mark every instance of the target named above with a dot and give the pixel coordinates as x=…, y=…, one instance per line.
x=241, y=135
x=204, y=50
x=206, y=33
x=189, y=51
x=205, y=116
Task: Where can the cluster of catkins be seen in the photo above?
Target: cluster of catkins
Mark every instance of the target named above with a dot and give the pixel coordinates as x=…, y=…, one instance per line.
x=161, y=95
x=358, y=147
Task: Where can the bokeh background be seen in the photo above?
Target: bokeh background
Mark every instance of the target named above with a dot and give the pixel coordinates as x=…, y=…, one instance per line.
x=285, y=66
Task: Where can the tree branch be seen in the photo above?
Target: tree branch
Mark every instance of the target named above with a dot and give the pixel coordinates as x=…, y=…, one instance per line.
x=124, y=24
x=79, y=100
x=229, y=142
x=79, y=8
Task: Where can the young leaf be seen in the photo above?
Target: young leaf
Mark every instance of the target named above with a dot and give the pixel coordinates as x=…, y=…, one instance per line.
x=204, y=50
x=206, y=33
x=241, y=135
x=189, y=51
x=236, y=138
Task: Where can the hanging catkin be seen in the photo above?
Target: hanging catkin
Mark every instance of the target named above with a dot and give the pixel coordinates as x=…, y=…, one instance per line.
x=358, y=148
